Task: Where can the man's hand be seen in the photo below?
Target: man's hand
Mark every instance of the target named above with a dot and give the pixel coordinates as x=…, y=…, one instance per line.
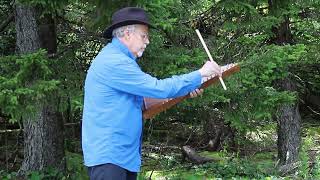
x=210, y=68
x=196, y=93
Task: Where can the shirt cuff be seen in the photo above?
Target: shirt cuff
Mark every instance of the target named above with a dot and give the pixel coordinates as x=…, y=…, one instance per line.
x=196, y=78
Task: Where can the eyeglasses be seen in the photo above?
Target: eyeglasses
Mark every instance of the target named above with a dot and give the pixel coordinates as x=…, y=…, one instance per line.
x=144, y=36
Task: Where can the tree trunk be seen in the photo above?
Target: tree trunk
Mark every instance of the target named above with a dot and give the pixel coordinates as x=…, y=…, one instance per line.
x=43, y=133
x=289, y=128
x=282, y=33
x=28, y=39
x=43, y=141
x=48, y=34
x=217, y=133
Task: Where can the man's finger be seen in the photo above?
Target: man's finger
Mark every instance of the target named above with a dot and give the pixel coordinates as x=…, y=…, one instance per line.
x=201, y=91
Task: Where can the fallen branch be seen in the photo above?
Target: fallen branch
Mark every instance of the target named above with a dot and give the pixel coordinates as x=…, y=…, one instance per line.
x=193, y=156
x=18, y=130
x=160, y=147
x=72, y=124
x=315, y=112
x=9, y=131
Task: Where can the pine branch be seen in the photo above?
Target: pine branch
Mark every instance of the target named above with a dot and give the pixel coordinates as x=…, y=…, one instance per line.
x=6, y=22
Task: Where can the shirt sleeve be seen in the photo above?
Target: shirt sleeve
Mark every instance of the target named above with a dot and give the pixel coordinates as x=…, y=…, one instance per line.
x=125, y=75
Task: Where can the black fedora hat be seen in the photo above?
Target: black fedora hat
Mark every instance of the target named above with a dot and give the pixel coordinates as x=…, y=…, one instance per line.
x=127, y=16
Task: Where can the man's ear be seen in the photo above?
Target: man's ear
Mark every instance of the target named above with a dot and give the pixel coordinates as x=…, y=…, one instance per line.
x=127, y=35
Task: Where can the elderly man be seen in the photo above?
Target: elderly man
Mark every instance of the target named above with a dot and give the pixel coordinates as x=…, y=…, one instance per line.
x=114, y=90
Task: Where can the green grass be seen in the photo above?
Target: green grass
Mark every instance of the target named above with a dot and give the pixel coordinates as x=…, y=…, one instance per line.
x=259, y=166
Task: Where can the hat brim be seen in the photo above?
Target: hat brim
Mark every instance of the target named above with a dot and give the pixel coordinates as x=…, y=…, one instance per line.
x=108, y=32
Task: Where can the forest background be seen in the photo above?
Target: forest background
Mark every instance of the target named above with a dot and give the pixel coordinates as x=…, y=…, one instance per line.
x=265, y=126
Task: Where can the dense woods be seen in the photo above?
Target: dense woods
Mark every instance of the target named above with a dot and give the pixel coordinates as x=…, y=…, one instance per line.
x=265, y=126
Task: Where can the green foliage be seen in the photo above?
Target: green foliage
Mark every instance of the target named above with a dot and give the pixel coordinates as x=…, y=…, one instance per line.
x=315, y=173
x=253, y=95
x=75, y=168
x=225, y=166
x=304, y=159
x=7, y=36
x=271, y=64
x=237, y=168
x=308, y=156
x=7, y=176
x=75, y=171
x=48, y=6
x=48, y=173
x=162, y=13
x=25, y=82
x=173, y=61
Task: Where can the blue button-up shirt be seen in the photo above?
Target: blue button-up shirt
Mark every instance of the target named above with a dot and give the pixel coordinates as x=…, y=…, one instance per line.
x=113, y=99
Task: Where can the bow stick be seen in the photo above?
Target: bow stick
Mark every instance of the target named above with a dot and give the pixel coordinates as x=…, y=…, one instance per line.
x=209, y=55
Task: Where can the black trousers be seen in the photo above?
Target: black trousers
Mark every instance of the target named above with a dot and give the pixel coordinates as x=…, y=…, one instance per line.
x=110, y=172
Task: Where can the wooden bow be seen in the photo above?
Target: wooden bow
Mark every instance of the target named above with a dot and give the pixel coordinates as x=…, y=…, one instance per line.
x=209, y=55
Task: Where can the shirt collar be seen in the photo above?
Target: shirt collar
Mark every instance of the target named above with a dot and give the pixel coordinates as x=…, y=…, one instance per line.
x=123, y=48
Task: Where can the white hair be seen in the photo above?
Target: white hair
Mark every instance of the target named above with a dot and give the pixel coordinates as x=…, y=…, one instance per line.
x=119, y=32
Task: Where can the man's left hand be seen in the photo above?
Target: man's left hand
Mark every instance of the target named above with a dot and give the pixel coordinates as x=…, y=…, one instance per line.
x=196, y=93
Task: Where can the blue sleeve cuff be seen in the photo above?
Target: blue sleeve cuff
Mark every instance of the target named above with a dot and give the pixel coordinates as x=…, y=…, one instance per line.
x=196, y=78
x=190, y=82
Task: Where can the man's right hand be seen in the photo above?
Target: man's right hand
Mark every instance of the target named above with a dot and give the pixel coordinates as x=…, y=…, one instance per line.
x=210, y=68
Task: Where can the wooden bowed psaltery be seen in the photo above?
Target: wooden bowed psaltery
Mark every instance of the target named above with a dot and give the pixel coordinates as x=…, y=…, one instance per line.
x=155, y=106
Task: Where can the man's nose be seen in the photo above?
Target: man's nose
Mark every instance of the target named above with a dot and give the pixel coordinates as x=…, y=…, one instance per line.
x=147, y=41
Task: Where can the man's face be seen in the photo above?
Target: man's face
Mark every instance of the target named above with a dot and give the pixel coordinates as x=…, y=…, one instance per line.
x=138, y=40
